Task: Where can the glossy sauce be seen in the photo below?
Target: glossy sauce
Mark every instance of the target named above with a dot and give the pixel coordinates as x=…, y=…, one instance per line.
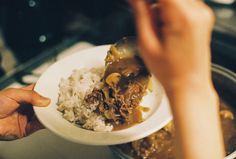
x=132, y=85
x=135, y=118
x=160, y=145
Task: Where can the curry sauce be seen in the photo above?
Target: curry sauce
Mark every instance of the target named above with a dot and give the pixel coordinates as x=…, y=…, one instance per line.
x=125, y=82
x=161, y=144
x=135, y=118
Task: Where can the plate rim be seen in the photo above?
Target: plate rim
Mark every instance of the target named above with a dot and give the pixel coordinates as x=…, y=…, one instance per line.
x=89, y=142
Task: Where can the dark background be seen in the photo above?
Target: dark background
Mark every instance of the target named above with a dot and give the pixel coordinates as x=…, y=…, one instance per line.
x=30, y=26
x=35, y=30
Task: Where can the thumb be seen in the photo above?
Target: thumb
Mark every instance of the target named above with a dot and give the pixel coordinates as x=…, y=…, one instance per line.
x=22, y=96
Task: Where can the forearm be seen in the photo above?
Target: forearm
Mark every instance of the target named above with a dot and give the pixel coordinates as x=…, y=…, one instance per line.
x=196, y=116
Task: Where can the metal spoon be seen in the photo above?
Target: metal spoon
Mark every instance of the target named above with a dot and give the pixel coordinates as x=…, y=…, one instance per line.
x=123, y=56
x=127, y=47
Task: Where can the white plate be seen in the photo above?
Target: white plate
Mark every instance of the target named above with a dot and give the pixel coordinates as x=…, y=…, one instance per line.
x=158, y=116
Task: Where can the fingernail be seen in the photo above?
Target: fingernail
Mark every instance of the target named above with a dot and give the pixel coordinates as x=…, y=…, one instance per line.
x=45, y=101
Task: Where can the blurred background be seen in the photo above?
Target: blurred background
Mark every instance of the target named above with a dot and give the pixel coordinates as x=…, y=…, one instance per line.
x=33, y=32
x=36, y=33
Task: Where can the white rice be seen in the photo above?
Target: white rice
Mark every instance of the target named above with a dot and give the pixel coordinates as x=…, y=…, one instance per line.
x=71, y=103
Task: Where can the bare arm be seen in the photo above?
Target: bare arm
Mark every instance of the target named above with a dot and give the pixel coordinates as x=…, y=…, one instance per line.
x=196, y=116
x=174, y=38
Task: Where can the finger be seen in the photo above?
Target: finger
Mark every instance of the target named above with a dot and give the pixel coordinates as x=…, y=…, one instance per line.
x=156, y=13
x=179, y=2
x=12, y=127
x=146, y=28
x=26, y=97
x=7, y=106
x=29, y=87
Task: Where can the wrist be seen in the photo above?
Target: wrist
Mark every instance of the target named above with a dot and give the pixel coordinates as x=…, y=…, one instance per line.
x=189, y=83
x=202, y=90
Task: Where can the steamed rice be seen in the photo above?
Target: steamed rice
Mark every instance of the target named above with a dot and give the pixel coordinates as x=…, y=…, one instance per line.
x=71, y=100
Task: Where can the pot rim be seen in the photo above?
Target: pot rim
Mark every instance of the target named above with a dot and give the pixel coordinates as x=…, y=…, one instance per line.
x=215, y=68
x=232, y=76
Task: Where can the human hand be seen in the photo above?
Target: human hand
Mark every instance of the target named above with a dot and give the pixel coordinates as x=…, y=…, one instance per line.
x=17, y=118
x=174, y=37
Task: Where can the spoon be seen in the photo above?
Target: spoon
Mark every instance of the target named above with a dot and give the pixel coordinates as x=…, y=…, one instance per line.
x=127, y=46
x=123, y=57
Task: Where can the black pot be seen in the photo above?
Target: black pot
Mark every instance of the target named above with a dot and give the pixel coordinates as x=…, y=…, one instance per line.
x=225, y=83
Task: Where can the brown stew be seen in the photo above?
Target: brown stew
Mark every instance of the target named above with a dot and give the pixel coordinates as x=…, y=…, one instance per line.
x=125, y=82
x=160, y=145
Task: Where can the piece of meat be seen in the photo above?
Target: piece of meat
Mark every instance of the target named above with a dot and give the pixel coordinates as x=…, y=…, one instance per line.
x=125, y=83
x=156, y=144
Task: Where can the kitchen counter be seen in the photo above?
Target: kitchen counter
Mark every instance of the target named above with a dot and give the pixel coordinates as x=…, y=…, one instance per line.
x=45, y=145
